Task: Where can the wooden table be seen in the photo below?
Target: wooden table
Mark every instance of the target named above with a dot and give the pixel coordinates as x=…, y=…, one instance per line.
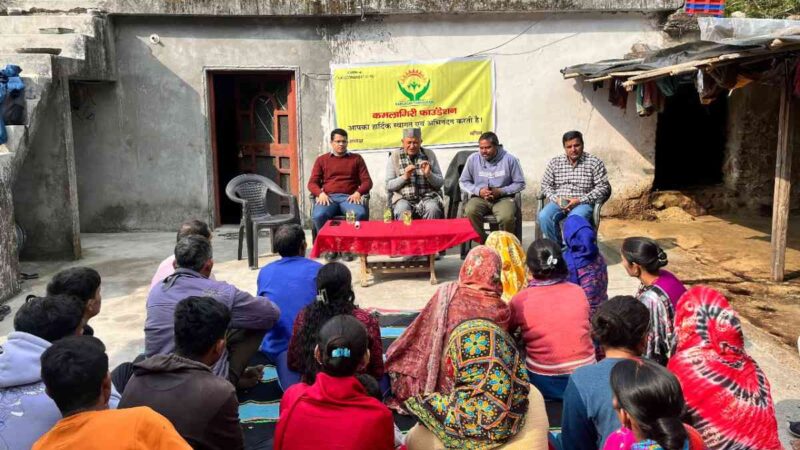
x=423, y=238
x=428, y=264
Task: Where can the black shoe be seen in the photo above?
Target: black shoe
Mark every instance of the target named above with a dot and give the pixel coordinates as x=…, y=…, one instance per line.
x=794, y=429
x=332, y=256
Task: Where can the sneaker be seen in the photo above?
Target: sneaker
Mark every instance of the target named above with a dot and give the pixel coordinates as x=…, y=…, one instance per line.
x=348, y=257
x=332, y=256
x=794, y=429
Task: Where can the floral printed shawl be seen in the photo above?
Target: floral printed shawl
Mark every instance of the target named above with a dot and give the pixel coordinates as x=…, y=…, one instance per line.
x=489, y=399
x=414, y=360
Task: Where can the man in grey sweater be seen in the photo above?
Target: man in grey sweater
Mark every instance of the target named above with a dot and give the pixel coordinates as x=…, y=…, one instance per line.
x=492, y=177
x=414, y=179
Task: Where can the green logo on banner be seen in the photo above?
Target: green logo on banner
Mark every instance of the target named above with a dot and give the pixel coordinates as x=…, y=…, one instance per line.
x=414, y=85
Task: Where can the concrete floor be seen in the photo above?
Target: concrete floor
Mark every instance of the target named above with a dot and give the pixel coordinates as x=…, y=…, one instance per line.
x=127, y=261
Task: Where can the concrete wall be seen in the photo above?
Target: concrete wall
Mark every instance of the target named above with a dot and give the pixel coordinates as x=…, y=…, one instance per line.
x=142, y=149
x=44, y=195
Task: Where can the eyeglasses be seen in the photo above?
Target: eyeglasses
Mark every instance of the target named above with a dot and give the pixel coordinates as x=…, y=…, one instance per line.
x=340, y=142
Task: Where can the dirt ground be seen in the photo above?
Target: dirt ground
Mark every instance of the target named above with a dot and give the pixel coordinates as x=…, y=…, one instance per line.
x=730, y=253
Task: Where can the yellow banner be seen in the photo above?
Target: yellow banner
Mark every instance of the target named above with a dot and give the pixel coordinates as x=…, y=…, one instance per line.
x=451, y=101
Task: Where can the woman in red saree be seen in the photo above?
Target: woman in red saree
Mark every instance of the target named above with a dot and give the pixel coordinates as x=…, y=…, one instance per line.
x=727, y=394
x=415, y=360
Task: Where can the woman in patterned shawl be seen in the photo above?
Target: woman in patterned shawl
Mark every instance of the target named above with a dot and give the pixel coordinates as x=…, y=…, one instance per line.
x=586, y=265
x=515, y=272
x=727, y=394
x=414, y=361
x=642, y=259
x=489, y=400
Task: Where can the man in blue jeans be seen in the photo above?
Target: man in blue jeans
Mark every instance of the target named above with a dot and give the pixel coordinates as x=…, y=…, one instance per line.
x=573, y=183
x=338, y=181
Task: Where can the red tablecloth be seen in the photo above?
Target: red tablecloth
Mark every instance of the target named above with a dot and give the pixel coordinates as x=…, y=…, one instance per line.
x=422, y=237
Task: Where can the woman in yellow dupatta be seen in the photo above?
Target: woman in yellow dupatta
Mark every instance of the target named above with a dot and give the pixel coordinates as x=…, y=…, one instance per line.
x=514, y=274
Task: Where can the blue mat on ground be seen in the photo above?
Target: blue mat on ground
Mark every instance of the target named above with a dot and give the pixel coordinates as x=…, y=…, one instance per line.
x=259, y=407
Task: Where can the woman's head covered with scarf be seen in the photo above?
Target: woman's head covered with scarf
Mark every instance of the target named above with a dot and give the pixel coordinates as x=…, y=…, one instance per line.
x=580, y=239
x=514, y=272
x=727, y=394
x=481, y=271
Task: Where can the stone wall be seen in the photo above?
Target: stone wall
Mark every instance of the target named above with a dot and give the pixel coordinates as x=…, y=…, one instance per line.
x=749, y=169
x=335, y=7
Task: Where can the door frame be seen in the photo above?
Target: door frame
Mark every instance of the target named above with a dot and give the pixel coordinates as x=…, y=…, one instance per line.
x=214, y=193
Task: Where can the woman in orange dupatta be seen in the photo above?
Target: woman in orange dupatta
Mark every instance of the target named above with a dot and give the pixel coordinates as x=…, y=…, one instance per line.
x=415, y=360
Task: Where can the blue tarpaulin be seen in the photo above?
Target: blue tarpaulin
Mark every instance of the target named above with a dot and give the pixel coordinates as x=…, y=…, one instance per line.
x=10, y=84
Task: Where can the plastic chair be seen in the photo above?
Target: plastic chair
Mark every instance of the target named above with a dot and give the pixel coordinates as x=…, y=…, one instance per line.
x=491, y=220
x=313, y=198
x=541, y=200
x=251, y=191
x=459, y=199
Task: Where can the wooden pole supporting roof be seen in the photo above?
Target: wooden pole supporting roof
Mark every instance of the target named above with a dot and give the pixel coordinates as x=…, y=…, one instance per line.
x=783, y=179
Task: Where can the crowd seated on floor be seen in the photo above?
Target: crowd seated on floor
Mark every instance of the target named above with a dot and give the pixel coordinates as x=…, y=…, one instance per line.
x=663, y=368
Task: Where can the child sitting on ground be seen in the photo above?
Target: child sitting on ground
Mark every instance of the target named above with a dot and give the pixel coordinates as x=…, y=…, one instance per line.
x=81, y=282
x=649, y=403
x=336, y=411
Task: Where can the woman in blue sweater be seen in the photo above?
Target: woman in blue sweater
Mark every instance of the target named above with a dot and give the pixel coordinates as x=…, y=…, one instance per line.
x=620, y=325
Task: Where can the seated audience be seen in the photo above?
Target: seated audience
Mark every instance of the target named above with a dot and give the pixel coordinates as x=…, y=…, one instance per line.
x=27, y=411
x=642, y=259
x=649, y=404
x=620, y=325
x=492, y=177
x=727, y=394
x=81, y=282
x=415, y=360
x=490, y=404
x=291, y=283
x=181, y=387
x=191, y=227
x=75, y=372
x=650, y=258
x=586, y=265
x=251, y=317
x=553, y=317
x=335, y=296
x=514, y=275
x=573, y=183
x=413, y=179
x=338, y=181
x=335, y=411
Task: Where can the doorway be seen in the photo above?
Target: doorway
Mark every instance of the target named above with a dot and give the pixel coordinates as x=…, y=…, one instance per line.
x=253, y=130
x=690, y=141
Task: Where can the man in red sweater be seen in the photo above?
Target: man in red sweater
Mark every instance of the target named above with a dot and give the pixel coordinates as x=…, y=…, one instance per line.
x=338, y=181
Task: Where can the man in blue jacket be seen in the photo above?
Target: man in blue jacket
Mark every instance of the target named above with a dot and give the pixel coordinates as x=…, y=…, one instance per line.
x=291, y=283
x=26, y=412
x=492, y=177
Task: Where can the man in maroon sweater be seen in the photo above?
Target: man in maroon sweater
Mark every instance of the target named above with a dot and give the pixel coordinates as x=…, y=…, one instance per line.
x=338, y=180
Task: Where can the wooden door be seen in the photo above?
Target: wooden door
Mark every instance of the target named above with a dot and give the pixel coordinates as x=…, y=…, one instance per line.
x=267, y=128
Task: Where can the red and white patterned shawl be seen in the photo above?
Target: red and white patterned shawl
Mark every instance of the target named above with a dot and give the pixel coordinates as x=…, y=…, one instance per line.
x=726, y=392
